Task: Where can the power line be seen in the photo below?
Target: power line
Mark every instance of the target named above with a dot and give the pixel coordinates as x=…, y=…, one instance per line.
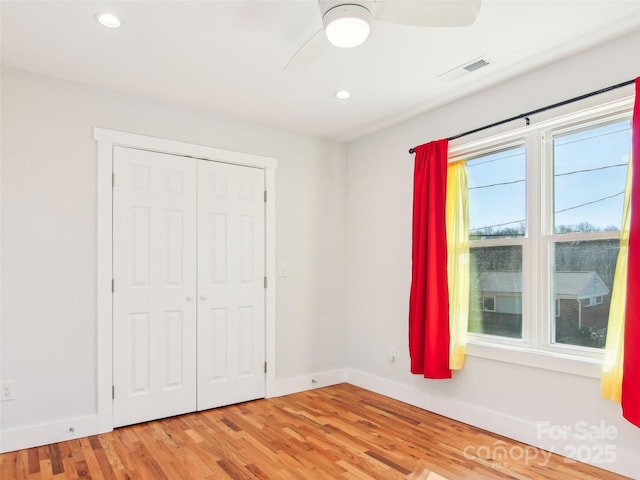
x=590, y=203
x=627, y=128
x=497, y=225
x=557, y=211
x=495, y=184
x=475, y=162
x=592, y=169
x=556, y=175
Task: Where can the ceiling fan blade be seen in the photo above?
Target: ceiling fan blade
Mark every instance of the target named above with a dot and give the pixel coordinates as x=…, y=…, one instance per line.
x=308, y=52
x=437, y=13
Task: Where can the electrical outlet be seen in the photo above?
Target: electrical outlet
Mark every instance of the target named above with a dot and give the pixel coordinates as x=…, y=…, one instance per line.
x=7, y=390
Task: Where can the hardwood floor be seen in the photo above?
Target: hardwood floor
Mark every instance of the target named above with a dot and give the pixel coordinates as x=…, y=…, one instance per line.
x=338, y=432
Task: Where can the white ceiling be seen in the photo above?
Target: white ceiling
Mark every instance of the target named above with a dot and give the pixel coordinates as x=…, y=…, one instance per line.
x=228, y=56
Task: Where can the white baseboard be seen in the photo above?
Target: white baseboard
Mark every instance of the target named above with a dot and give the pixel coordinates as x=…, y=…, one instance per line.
x=46, y=433
x=60, y=431
x=288, y=386
x=619, y=459
x=626, y=461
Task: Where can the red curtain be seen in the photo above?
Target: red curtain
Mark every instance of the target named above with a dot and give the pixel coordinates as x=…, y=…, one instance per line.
x=631, y=369
x=429, y=297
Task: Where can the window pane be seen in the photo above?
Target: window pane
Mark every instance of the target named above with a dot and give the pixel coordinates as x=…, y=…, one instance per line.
x=497, y=194
x=590, y=168
x=581, y=291
x=495, y=293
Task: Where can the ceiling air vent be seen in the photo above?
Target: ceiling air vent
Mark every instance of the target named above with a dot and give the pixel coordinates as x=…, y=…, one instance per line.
x=464, y=69
x=472, y=67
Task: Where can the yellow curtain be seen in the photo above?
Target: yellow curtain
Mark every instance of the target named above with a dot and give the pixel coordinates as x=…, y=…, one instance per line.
x=457, y=226
x=611, y=378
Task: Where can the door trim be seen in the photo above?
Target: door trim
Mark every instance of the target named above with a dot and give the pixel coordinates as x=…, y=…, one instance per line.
x=106, y=140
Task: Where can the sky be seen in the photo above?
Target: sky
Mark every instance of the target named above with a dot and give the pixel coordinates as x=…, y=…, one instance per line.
x=590, y=168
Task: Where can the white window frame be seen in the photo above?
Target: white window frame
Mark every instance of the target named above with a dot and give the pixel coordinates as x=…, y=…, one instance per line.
x=535, y=348
x=484, y=308
x=594, y=301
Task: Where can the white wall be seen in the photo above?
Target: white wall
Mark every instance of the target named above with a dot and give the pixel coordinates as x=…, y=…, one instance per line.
x=502, y=397
x=49, y=201
x=48, y=257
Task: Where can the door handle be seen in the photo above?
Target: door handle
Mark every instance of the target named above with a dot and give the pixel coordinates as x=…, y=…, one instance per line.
x=203, y=297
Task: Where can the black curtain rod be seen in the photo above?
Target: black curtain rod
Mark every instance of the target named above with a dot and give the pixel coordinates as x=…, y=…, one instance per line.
x=539, y=110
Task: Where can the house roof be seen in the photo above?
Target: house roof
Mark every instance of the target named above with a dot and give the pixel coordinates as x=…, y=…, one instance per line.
x=570, y=284
x=579, y=284
x=498, y=282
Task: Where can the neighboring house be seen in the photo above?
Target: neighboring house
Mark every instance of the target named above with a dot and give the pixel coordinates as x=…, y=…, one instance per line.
x=581, y=298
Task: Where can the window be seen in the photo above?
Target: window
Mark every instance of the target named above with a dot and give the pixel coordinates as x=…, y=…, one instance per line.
x=596, y=300
x=496, y=230
x=589, y=172
x=593, y=301
x=545, y=208
x=488, y=304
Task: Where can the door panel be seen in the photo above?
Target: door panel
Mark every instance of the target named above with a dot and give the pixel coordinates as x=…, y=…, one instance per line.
x=231, y=348
x=154, y=267
x=188, y=267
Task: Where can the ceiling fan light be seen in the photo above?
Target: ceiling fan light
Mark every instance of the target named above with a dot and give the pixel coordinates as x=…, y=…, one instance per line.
x=347, y=26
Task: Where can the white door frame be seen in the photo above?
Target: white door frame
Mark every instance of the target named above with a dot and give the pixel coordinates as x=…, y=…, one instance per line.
x=107, y=139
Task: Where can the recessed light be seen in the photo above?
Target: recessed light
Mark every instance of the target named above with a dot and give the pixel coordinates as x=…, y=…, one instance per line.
x=108, y=20
x=342, y=94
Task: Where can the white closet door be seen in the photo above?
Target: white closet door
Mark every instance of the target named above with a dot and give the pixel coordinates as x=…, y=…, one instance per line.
x=154, y=301
x=231, y=341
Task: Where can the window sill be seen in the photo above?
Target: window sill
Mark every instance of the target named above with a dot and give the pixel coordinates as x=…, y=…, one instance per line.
x=557, y=362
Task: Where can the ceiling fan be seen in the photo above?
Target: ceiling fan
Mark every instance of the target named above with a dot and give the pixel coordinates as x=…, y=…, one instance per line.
x=346, y=23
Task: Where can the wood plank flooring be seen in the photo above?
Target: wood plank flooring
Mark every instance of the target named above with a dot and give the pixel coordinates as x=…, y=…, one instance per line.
x=337, y=432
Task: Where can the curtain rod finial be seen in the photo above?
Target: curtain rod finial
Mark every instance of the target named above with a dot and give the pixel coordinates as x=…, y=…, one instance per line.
x=412, y=151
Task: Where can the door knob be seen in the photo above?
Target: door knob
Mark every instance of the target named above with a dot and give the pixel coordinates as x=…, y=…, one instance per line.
x=189, y=298
x=203, y=297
